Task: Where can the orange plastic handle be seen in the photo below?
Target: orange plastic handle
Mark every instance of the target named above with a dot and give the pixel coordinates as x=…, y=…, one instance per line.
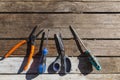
x=30, y=57
x=15, y=47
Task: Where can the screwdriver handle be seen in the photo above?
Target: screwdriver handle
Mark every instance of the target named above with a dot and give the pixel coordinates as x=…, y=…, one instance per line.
x=93, y=60
x=45, y=51
x=41, y=68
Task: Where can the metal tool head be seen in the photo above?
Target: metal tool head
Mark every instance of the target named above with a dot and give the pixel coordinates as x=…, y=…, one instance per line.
x=32, y=36
x=73, y=32
x=33, y=31
x=41, y=42
x=60, y=44
x=76, y=36
x=39, y=32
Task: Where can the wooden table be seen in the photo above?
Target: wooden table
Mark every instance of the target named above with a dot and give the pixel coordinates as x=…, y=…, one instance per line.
x=97, y=23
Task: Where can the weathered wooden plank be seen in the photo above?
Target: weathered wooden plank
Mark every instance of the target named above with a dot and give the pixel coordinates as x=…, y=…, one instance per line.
x=84, y=33
x=59, y=6
x=56, y=0
x=109, y=65
x=97, y=47
x=66, y=77
x=102, y=0
x=36, y=0
x=88, y=25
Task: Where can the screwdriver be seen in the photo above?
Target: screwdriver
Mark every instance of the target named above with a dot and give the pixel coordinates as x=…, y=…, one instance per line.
x=42, y=66
x=87, y=52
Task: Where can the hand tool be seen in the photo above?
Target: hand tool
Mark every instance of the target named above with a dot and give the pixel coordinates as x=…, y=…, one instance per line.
x=87, y=52
x=62, y=63
x=42, y=66
x=31, y=41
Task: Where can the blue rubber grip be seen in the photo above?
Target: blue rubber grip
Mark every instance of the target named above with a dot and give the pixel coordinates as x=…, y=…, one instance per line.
x=41, y=68
x=45, y=51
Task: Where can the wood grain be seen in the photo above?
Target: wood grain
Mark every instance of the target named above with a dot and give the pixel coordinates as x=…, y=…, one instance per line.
x=17, y=19
x=110, y=65
x=59, y=6
x=59, y=0
x=66, y=77
x=97, y=47
x=87, y=25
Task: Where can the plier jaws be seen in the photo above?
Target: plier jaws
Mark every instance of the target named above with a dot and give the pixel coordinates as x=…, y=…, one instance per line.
x=33, y=37
x=31, y=41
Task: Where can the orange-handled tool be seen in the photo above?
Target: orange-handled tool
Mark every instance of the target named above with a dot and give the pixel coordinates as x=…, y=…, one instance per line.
x=30, y=57
x=31, y=41
x=15, y=47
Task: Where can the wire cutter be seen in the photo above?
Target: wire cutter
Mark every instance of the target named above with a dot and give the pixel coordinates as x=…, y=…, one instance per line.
x=31, y=41
x=62, y=63
x=93, y=60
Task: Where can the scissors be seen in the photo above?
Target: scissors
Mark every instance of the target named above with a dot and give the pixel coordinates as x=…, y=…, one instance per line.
x=62, y=63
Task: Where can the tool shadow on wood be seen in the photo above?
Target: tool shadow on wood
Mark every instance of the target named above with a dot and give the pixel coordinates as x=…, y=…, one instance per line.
x=36, y=62
x=62, y=64
x=27, y=53
x=61, y=72
x=50, y=68
x=34, y=67
x=84, y=65
x=25, y=59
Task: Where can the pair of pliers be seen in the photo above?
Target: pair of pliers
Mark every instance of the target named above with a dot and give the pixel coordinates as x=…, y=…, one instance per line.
x=31, y=41
x=92, y=59
x=62, y=63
